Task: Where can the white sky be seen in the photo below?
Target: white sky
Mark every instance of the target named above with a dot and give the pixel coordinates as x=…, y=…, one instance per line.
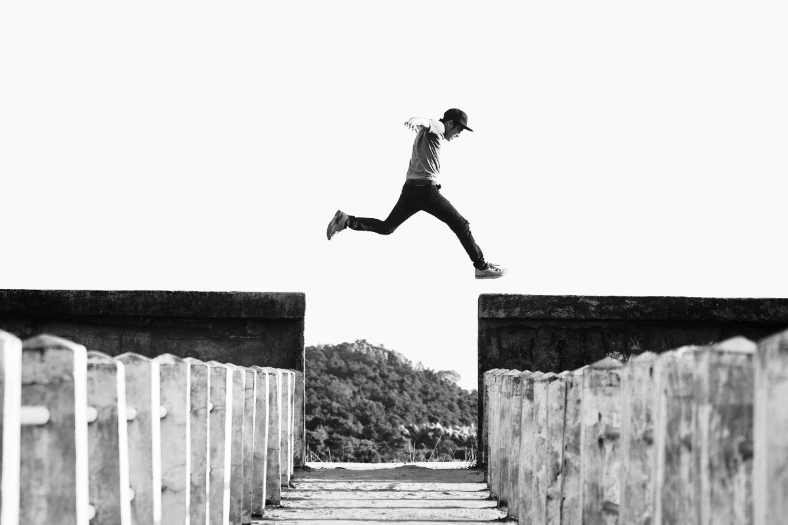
x=619, y=149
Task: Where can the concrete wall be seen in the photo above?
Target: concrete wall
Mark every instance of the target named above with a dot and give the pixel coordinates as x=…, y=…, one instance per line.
x=242, y=328
x=556, y=333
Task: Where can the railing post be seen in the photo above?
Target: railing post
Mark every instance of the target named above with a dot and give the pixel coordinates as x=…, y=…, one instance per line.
x=218, y=448
x=144, y=436
x=107, y=440
x=599, y=442
x=513, y=450
x=10, y=426
x=484, y=450
x=571, y=482
x=637, y=438
x=494, y=471
x=286, y=413
x=175, y=413
x=540, y=447
x=274, y=462
x=236, y=431
x=252, y=418
x=54, y=450
x=527, y=443
x=674, y=473
x=299, y=439
x=723, y=449
x=199, y=443
x=770, y=474
x=554, y=459
x=496, y=431
x=507, y=388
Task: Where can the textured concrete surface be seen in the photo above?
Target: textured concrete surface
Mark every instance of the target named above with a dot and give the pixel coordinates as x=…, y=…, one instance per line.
x=557, y=333
x=406, y=494
x=243, y=328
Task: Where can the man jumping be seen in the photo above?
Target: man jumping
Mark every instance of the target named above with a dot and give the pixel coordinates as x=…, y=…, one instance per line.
x=421, y=191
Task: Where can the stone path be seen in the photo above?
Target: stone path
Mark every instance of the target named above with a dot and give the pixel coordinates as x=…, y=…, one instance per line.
x=408, y=495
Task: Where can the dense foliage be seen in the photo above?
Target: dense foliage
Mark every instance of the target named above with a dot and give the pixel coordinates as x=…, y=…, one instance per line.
x=369, y=404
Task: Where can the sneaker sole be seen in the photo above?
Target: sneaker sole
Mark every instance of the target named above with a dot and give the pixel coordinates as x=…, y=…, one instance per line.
x=492, y=276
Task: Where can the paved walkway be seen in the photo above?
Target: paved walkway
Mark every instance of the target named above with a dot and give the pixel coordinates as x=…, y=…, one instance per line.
x=408, y=495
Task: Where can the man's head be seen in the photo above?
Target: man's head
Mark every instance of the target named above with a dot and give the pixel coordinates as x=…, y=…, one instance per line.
x=454, y=120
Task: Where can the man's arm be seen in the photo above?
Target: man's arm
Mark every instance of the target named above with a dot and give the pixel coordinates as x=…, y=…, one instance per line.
x=416, y=123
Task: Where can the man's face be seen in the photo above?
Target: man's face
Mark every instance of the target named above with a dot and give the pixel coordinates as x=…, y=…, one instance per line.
x=452, y=130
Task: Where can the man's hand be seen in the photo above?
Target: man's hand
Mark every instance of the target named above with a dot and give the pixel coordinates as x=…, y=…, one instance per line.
x=416, y=123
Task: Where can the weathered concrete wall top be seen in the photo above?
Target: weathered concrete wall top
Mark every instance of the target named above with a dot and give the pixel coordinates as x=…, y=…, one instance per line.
x=263, y=305
x=585, y=308
x=243, y=328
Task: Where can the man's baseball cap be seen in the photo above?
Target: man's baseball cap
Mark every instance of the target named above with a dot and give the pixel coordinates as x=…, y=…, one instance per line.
x=457, y=116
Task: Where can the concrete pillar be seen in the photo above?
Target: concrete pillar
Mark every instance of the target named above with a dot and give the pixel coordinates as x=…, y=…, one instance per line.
x=554, y=459
x=637, y=440
x=273, y=473
x=287, y=415
x=527, y=448
x=493, y=429
x=144, y=436
x=236, y=430
x=770, y=475
x=513, y=450
x=541, y=384
x=484, y=450
x=299, y=429
x=54, y=441
x=674, y=473
x=507, y=388
x=175, y=389
x=10, y=426
x=218, y=447
x=251, y=385
x=599, y=442
x=496, y=435
x=199, y=432
x=571, y=486
x=723, y=437
x=107, y=440
x=265, y=417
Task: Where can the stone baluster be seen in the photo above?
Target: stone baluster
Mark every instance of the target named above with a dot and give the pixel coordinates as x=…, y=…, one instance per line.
x=571, y=482
x=637, y=440
x=554, y=458
x=599, y=442
x=107, y=440
x=199, y=444
x=175, y=392
x=236, y=430
x=770, y=474
x=723, y=432
x=144, y=436
x=674, y=473
x=54, y=433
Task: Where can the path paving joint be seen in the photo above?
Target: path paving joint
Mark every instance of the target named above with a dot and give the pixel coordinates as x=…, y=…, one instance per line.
x=409, y=494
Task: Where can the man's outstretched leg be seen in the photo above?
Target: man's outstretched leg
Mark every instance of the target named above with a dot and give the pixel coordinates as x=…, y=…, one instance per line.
x=407, y=205
x=439, y=207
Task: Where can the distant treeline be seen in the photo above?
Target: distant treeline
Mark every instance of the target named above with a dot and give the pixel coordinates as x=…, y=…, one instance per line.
x=368, y=404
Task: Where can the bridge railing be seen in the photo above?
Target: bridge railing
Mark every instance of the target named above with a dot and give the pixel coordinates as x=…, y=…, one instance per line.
x=695, y=435
x=88, y=438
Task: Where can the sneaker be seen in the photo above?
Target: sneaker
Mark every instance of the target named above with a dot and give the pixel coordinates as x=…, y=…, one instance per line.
x=490, y=271
x=337, y=224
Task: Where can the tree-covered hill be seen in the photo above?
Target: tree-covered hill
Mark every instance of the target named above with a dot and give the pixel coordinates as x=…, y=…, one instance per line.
x=368, y=404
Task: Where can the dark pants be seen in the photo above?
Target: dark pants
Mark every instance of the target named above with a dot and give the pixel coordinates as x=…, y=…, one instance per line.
x=423, y=198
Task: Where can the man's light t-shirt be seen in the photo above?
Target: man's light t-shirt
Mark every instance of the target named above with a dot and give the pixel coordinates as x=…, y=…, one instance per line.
x=424, y=162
